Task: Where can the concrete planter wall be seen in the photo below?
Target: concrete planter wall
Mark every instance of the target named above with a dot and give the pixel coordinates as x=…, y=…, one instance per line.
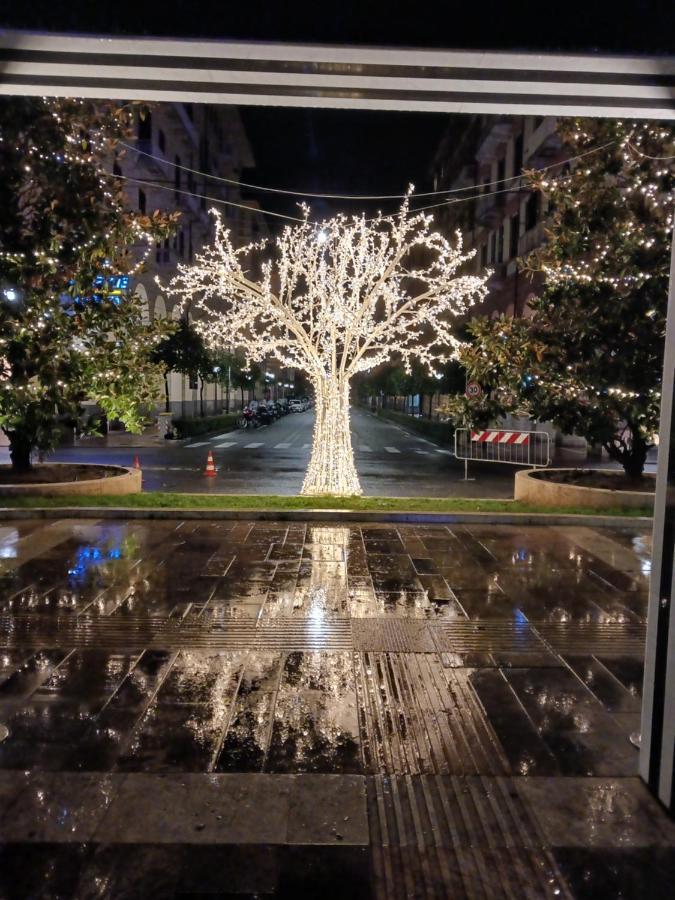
x=120, y=481
x=531, y=489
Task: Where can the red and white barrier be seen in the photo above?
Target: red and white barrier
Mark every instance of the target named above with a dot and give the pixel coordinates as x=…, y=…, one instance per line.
x=501, y=437
x=516, y=448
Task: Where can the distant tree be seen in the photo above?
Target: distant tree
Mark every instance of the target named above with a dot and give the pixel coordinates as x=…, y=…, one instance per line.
x=182, y=351
x=590, y=357
x=65, y=336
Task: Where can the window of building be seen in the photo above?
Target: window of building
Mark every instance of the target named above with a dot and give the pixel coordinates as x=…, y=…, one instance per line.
x=493, y=247
x=532, y=211
x=501, y=170
x=181, y=244
x=161, y=140
x=145, y=127
x=189, y=110
x=176, y=179
x=483, y=256
x=515, y=233
x=518, y=149
x=141, y=200
x=537, y=121
x=500, y=244
x=117, y=168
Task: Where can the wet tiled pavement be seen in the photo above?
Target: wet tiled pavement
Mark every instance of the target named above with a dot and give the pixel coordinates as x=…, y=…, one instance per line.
x=231, y=709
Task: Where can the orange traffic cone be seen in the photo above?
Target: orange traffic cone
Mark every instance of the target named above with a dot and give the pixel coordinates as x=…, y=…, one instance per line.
x=210, y=470
x=137, y=462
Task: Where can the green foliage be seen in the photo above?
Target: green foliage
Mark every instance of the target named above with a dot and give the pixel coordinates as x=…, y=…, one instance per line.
x=62, y=223
x=205, y=424
x=590, y=357
x=211, y=502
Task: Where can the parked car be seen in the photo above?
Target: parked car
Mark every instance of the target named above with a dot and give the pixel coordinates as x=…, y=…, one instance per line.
x=296, y=405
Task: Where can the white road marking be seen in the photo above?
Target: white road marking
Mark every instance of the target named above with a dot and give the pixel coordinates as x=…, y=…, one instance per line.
x=226, y=444
x=423, y=452
x=305, y=446
x=392, y=450
x=447, y=452
x=219, y=437
x=365, y=448
x=200, y=444
x=253, y=446
x=281, y=446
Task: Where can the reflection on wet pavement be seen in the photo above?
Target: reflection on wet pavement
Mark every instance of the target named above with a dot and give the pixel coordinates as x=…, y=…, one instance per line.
x=362, y=711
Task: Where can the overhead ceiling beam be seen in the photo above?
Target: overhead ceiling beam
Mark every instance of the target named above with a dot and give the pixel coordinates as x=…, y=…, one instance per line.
x=340, y=77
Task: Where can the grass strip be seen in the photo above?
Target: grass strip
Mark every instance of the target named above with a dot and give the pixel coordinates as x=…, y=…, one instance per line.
x=165, y=500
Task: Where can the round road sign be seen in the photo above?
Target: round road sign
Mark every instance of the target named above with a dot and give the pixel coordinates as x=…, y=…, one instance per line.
x=473, y=390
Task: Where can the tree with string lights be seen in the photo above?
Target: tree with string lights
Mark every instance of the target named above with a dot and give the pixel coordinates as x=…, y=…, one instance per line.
x=66, y=242
x=589, y=358
x=333, y=299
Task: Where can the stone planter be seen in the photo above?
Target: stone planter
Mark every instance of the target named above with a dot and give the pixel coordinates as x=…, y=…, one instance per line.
x=530, y=487
x=121, y=480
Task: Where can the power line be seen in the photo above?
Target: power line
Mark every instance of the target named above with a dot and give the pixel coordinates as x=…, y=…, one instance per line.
x=175, y=190
x=273, y=190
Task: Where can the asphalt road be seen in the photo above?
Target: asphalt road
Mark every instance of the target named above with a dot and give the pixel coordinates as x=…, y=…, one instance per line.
x=391, y=461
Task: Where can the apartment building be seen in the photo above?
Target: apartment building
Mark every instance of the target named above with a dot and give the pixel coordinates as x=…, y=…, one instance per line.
x=176, y=147
x=482, y=158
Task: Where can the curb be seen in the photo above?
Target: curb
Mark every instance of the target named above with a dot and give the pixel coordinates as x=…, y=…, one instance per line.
x=326, y=515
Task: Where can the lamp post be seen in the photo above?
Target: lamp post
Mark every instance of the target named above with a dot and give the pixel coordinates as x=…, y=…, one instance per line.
x=216, y=372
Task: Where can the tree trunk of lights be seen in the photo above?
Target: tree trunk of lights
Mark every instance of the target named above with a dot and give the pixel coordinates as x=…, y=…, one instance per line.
x=331, y=467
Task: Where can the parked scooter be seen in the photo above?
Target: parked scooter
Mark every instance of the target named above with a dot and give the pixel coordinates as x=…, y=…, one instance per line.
x=248, y=418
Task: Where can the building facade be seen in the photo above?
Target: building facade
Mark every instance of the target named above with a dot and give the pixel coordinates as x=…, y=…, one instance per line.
x=482, y=158
x=178, y=152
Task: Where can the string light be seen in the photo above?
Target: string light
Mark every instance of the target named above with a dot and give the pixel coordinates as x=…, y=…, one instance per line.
x=333, y=302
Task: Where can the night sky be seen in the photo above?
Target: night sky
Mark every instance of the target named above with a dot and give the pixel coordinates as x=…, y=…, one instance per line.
x=340, y=151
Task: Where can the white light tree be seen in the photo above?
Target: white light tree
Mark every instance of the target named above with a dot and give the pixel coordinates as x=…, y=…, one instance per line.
x=333, y=299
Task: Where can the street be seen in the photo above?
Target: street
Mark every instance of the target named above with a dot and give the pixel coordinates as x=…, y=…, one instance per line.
x=391, y=461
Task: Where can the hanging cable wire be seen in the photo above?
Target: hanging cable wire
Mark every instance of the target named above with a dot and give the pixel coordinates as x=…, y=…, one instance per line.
x=647, y=156
x=273, y=190
x=175, y=190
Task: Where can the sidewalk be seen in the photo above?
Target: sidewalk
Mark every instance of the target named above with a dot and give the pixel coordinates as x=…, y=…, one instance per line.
x=291, y=710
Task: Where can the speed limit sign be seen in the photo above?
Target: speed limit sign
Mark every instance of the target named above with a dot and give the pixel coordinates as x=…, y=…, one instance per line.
x=473, y=390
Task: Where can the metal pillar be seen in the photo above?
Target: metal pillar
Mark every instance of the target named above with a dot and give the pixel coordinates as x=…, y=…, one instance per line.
x=657, y=750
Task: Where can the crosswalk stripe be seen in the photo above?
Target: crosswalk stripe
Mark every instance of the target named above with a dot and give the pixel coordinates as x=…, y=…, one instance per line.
x=253, y=446
x=281, y=446
x=219, y=437
x=224, y=445
x=447, y=452
x=199, y=444
x=392, y=450
x=305, y=446
x=365, y=448
x=423, y=452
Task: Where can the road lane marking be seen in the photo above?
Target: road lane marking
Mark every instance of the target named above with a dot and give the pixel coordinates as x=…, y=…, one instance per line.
x=200, y=444
x=253, y=446
x=281, y=446
x=423, y=452
x=305, y=446
x=365, y=448
x=392, y=450
x=447, y=452
x=226, y=444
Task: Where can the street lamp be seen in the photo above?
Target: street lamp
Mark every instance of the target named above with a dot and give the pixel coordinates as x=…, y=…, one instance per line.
x=216, y=371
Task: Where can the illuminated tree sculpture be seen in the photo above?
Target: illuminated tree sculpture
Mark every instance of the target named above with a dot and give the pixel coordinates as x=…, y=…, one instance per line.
x=333, y=299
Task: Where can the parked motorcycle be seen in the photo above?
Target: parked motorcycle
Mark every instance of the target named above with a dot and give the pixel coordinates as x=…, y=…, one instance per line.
x=248, y=418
